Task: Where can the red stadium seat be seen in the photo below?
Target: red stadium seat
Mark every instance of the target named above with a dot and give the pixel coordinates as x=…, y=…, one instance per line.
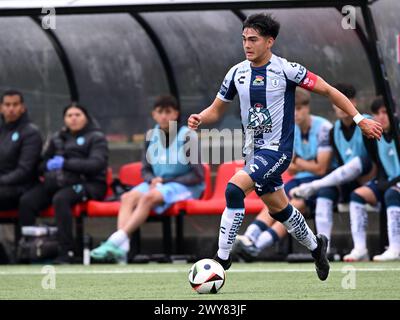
x=216, y=204
x=130, y=174
x=286, y=177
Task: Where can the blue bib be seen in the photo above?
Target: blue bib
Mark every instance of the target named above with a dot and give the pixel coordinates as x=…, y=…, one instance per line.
x=352, y=148
x=308, y=150
x=168, y=162
x=389, y=158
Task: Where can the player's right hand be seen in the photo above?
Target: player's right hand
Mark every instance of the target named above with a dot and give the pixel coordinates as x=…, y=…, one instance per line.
x=371, y=128
x=194, y=121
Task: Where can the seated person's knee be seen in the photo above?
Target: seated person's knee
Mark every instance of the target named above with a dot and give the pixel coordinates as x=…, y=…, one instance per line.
x=59, y=199
x=330, y=193
x=150, y=197
x=392, y=197
x=129, y=196
x=356, y=197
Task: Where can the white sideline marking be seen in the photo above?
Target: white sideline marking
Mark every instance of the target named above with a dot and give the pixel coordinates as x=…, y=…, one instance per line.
x=151, y=271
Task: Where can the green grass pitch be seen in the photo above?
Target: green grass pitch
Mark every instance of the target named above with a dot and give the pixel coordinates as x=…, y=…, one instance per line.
x=170, y=281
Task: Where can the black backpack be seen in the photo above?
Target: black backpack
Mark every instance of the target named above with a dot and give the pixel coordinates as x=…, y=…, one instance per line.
x=37, y=244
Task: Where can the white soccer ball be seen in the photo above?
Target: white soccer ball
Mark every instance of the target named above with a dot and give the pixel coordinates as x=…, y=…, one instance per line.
x=206, y=276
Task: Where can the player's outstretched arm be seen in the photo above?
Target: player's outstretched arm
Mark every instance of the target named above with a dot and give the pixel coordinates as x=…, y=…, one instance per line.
x=369, y=127
x=209, y=115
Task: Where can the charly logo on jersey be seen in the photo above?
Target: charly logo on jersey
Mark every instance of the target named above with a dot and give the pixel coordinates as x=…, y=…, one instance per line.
x=241, y=79
x=259, y=119
x=253, y=167
x=80, y=141
x=258, y=81
x=15, y=136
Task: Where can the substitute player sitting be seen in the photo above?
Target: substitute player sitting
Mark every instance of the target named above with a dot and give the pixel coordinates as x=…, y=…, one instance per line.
x=384, y=189
x=353, y=166
x=169, y=173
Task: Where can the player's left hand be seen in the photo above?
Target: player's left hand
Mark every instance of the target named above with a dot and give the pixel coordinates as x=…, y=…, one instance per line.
x=371, y=128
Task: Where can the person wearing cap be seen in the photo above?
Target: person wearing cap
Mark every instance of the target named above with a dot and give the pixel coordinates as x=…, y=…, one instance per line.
x=74, y=168
x=20, y=148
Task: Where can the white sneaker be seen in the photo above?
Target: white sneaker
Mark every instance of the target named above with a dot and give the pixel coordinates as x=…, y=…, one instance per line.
x=304, y=191
x=356, y=255
x=388, y=255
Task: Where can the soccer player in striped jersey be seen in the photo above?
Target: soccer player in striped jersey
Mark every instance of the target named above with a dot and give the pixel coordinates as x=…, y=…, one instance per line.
x=265, y=84
x=311, y=160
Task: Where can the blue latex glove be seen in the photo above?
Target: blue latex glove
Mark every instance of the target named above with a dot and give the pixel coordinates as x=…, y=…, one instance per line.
x=55, y=163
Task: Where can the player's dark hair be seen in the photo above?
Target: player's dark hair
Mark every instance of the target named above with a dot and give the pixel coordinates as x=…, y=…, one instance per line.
x=165, y=101
x=347, y=89
x=377, y=104
x=12, y=93
x=263, y=23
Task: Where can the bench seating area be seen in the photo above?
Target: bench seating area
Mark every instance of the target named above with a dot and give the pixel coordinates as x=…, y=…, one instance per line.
x=212, y=202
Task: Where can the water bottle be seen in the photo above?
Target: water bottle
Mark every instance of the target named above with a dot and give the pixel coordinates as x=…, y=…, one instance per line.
x=87, y=244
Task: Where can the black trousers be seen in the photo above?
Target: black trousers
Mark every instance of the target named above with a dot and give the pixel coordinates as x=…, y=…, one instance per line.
x=9, y=197
x=39, y=198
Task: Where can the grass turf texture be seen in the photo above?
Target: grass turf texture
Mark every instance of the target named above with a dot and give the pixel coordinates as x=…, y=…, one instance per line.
x=170, y=281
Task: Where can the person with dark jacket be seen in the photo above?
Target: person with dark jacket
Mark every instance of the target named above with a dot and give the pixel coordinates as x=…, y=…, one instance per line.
x=74, y=168
x=20, y=148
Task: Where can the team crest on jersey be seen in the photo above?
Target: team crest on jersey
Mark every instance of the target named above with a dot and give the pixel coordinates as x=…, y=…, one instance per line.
x=259, y=119
x=275, y=82
x=391, y=152
x=258, y=81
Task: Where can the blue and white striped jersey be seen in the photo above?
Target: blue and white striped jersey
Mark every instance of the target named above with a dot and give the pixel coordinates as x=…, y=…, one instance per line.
x=266, y=96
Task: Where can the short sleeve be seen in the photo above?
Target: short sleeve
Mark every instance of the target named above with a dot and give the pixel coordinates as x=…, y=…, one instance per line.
x=228, y=90
x=300, y=75
x=294, y=71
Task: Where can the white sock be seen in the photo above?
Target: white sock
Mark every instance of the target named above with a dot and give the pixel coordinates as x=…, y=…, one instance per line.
x=393, y=220
x=359, y=223
x=118, y=238
x=346, y=173
x=126, y=245
x=253, y=231
x=231, y=221
x=323, y=216
x=264, y=240
x=296, y=225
